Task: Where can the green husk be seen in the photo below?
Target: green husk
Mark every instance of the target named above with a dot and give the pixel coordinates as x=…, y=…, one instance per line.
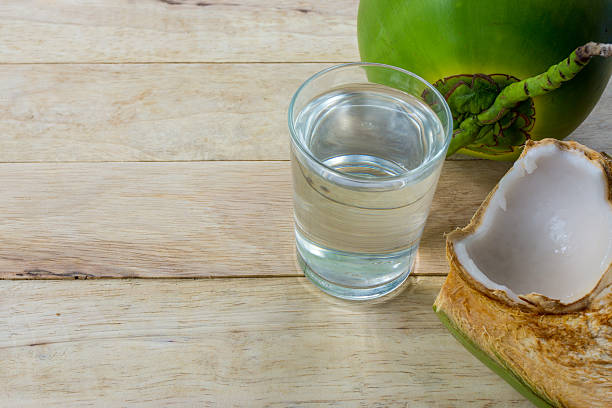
x=504, y=372
x=494, y=37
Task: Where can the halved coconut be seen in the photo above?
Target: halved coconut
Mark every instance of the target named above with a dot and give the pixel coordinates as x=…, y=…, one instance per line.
x=529, y=290
x=543, y=237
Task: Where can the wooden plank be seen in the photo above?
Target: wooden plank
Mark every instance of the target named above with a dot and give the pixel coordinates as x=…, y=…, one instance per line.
x=178, y=31
x=167, y=112
x=147, y=112
x=232, y=342
x=182, y=219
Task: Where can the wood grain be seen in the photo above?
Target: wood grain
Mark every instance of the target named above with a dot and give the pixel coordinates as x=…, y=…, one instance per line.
x=167, y=112
x=232, y=342
x=189, y=219
x=147, y=112
x=177, y=31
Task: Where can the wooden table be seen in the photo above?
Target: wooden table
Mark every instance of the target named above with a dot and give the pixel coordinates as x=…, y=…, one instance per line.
x=146, y=234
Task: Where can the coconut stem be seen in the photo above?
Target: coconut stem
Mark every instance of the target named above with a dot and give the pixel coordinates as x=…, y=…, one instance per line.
x=518, y=92
x=461, y=137
x=464, y=135
x=544, y=83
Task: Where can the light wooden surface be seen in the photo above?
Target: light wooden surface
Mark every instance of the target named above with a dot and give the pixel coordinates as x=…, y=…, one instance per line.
x=147, y=138
x=105, y=31
x=232, y=342
x=132, y=112
x=182, y=219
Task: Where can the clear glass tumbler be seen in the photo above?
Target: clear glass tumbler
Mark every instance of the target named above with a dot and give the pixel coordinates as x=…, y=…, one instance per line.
x=367, y=145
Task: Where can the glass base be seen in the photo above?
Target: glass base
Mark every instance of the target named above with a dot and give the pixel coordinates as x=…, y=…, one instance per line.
x=350, y=293
x=353, y=276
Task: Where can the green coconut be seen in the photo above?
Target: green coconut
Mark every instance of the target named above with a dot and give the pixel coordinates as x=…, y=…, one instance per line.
x=473, y=50
x=529, y=290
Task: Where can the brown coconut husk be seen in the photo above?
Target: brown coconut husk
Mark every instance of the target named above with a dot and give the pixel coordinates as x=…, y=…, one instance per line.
x=557, y=355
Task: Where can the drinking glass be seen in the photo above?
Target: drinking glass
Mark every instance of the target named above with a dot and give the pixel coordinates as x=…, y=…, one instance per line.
x=368, y=142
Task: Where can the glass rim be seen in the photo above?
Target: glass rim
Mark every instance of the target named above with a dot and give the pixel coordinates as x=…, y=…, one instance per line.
x=407, y=174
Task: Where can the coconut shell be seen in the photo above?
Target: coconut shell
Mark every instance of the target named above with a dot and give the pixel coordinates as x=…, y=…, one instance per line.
x=555, y=360
x=534, y=301
x=557, y=355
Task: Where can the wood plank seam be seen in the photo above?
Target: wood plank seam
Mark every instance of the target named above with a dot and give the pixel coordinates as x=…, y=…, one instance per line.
x=262, y=342
x=174, y=219
x=168, y=112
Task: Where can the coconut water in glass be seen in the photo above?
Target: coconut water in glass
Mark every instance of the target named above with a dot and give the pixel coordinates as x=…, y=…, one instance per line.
x=367, y=145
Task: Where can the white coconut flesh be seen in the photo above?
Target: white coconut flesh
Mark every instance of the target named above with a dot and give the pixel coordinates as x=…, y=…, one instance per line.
x=547, y=228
